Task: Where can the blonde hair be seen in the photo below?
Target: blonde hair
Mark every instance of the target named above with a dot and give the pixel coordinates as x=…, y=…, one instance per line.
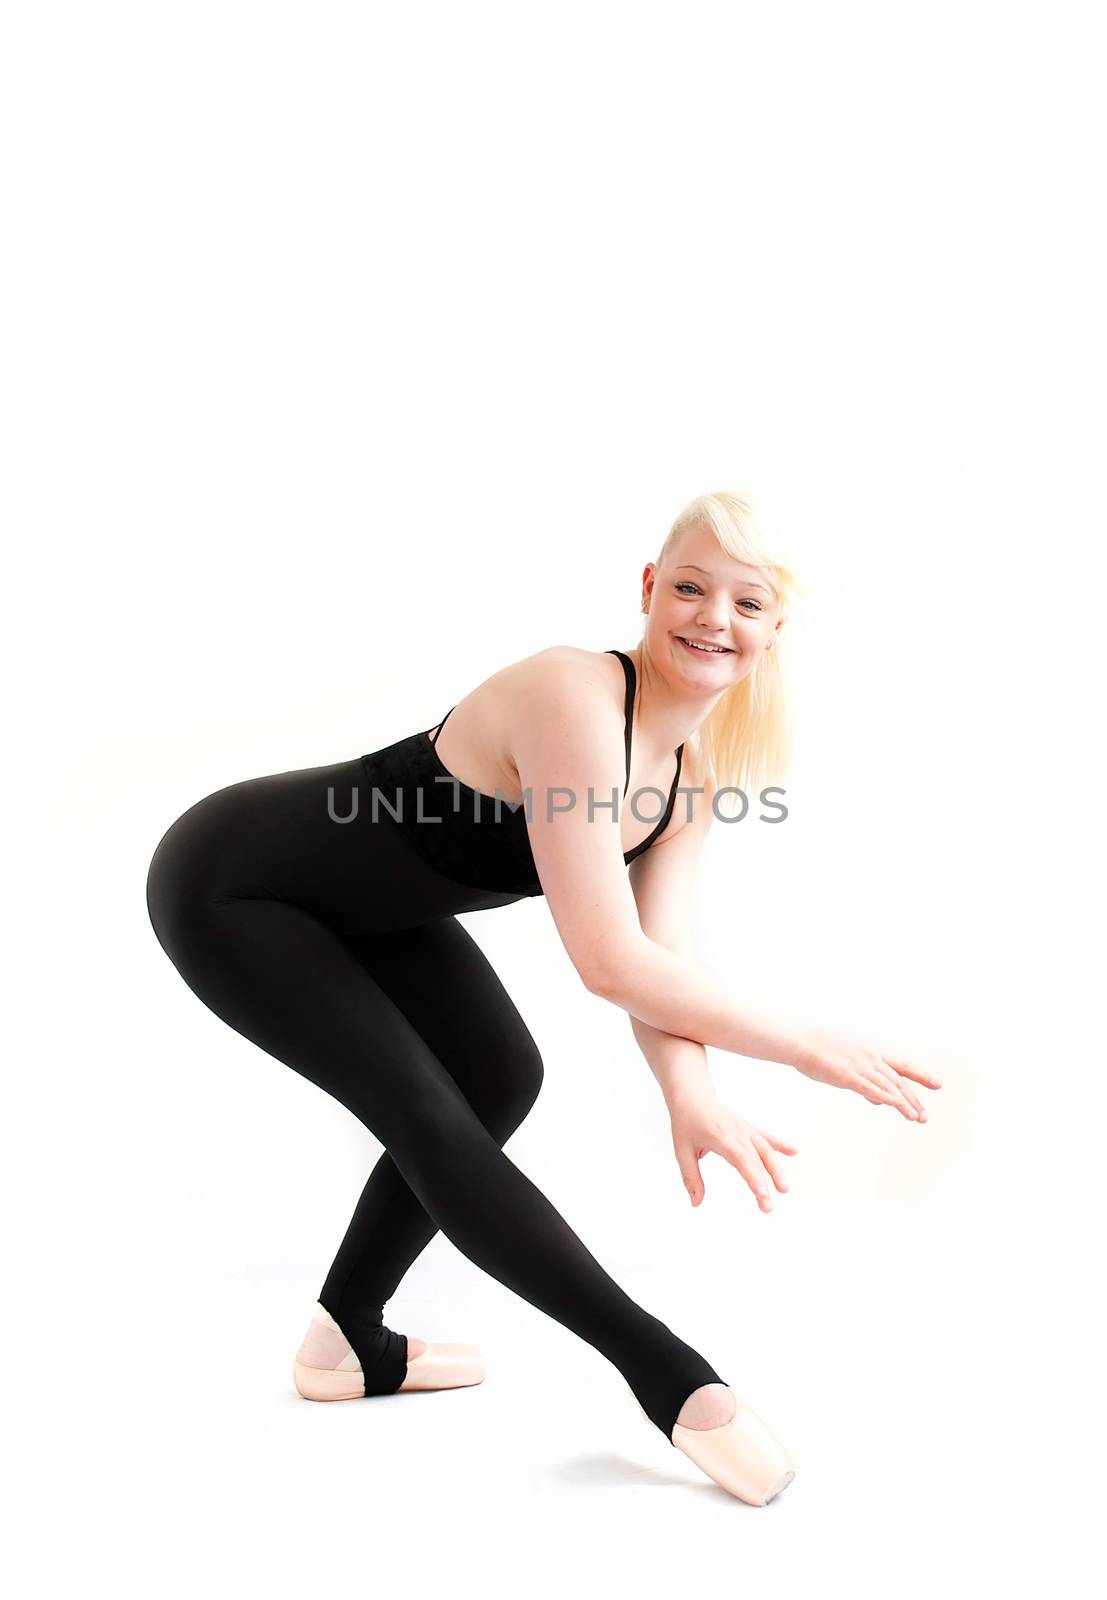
x=746, y=740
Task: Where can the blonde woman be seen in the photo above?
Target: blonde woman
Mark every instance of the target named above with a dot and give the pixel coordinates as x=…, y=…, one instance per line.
x=315, y=912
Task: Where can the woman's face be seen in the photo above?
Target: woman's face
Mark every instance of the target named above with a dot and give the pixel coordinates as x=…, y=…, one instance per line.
x=702, y=595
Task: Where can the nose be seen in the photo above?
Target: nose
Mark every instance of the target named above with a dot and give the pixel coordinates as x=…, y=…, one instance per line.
x=714, y=613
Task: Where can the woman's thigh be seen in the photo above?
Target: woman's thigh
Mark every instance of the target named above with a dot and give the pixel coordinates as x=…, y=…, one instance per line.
x=334, y=948
x=280, y=977
x=446, y=987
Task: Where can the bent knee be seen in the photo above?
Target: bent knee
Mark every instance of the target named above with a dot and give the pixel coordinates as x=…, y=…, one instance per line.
x=524, y=1071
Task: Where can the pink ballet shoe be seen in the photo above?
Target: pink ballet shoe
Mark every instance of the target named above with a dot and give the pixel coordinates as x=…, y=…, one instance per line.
x=445, y=1366
x=744, y=1456
x=326, y=1368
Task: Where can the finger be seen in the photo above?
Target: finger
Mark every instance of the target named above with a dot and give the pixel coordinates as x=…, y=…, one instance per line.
x=778, y=1144
x=747, y=1160
x=875, y=1092
x=690, y=1172
x=773, y=1164
x=908, y=1094
x=899, y=1098
x=927, y=1079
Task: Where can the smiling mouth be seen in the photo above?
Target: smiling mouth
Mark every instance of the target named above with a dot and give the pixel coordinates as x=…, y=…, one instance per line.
x=701, y=648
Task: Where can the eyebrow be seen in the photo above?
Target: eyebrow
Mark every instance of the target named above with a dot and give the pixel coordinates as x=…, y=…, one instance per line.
x=744, y=583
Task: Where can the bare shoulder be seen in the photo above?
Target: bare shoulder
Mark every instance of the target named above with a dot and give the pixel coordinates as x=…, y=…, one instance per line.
x=563, y=679
x=560, y=660
x=562, y=694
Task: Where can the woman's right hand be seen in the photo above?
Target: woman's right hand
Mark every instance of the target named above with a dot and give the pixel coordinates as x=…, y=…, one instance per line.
x=702, y=1124
x=878, y=1078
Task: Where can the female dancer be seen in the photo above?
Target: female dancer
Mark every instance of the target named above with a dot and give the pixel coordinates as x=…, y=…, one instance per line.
x=315, y=912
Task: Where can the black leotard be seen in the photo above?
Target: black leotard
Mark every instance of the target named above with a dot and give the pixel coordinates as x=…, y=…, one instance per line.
x=325, y=931
x=477, y=839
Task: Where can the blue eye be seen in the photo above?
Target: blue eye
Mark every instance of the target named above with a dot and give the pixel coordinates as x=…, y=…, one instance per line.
x=685, y=585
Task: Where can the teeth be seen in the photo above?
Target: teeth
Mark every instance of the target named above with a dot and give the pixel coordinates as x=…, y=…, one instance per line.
x=711, y=649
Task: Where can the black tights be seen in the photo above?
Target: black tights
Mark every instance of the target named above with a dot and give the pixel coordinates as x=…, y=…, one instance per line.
x=331, y=946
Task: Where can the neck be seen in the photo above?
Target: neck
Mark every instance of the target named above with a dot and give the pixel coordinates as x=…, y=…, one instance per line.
x=663, y=717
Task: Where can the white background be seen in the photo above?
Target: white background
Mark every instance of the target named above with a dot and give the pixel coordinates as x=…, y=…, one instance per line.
x=351, y=352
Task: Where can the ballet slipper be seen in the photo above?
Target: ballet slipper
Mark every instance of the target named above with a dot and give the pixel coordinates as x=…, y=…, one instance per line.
x=744, y=1456
x=445, y=1366
x=326, y=1368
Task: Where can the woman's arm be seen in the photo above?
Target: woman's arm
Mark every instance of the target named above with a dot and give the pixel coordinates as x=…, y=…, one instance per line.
x=569, y=753
x=662, y=881
x=679, y=1065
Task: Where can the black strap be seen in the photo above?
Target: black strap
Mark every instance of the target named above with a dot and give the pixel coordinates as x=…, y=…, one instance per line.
x=628, y=717
x=438, y=730
x=665, y=818
x=628, y=707
x=676, y=778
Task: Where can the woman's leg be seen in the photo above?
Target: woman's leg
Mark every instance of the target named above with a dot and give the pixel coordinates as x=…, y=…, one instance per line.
x=442, y=981
x=280, y=977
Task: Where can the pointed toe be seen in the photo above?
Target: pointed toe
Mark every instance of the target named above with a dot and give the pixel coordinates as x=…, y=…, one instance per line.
x=744, y=1456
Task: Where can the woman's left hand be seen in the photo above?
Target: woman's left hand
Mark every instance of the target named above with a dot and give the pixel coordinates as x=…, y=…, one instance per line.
x=703, y=1124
